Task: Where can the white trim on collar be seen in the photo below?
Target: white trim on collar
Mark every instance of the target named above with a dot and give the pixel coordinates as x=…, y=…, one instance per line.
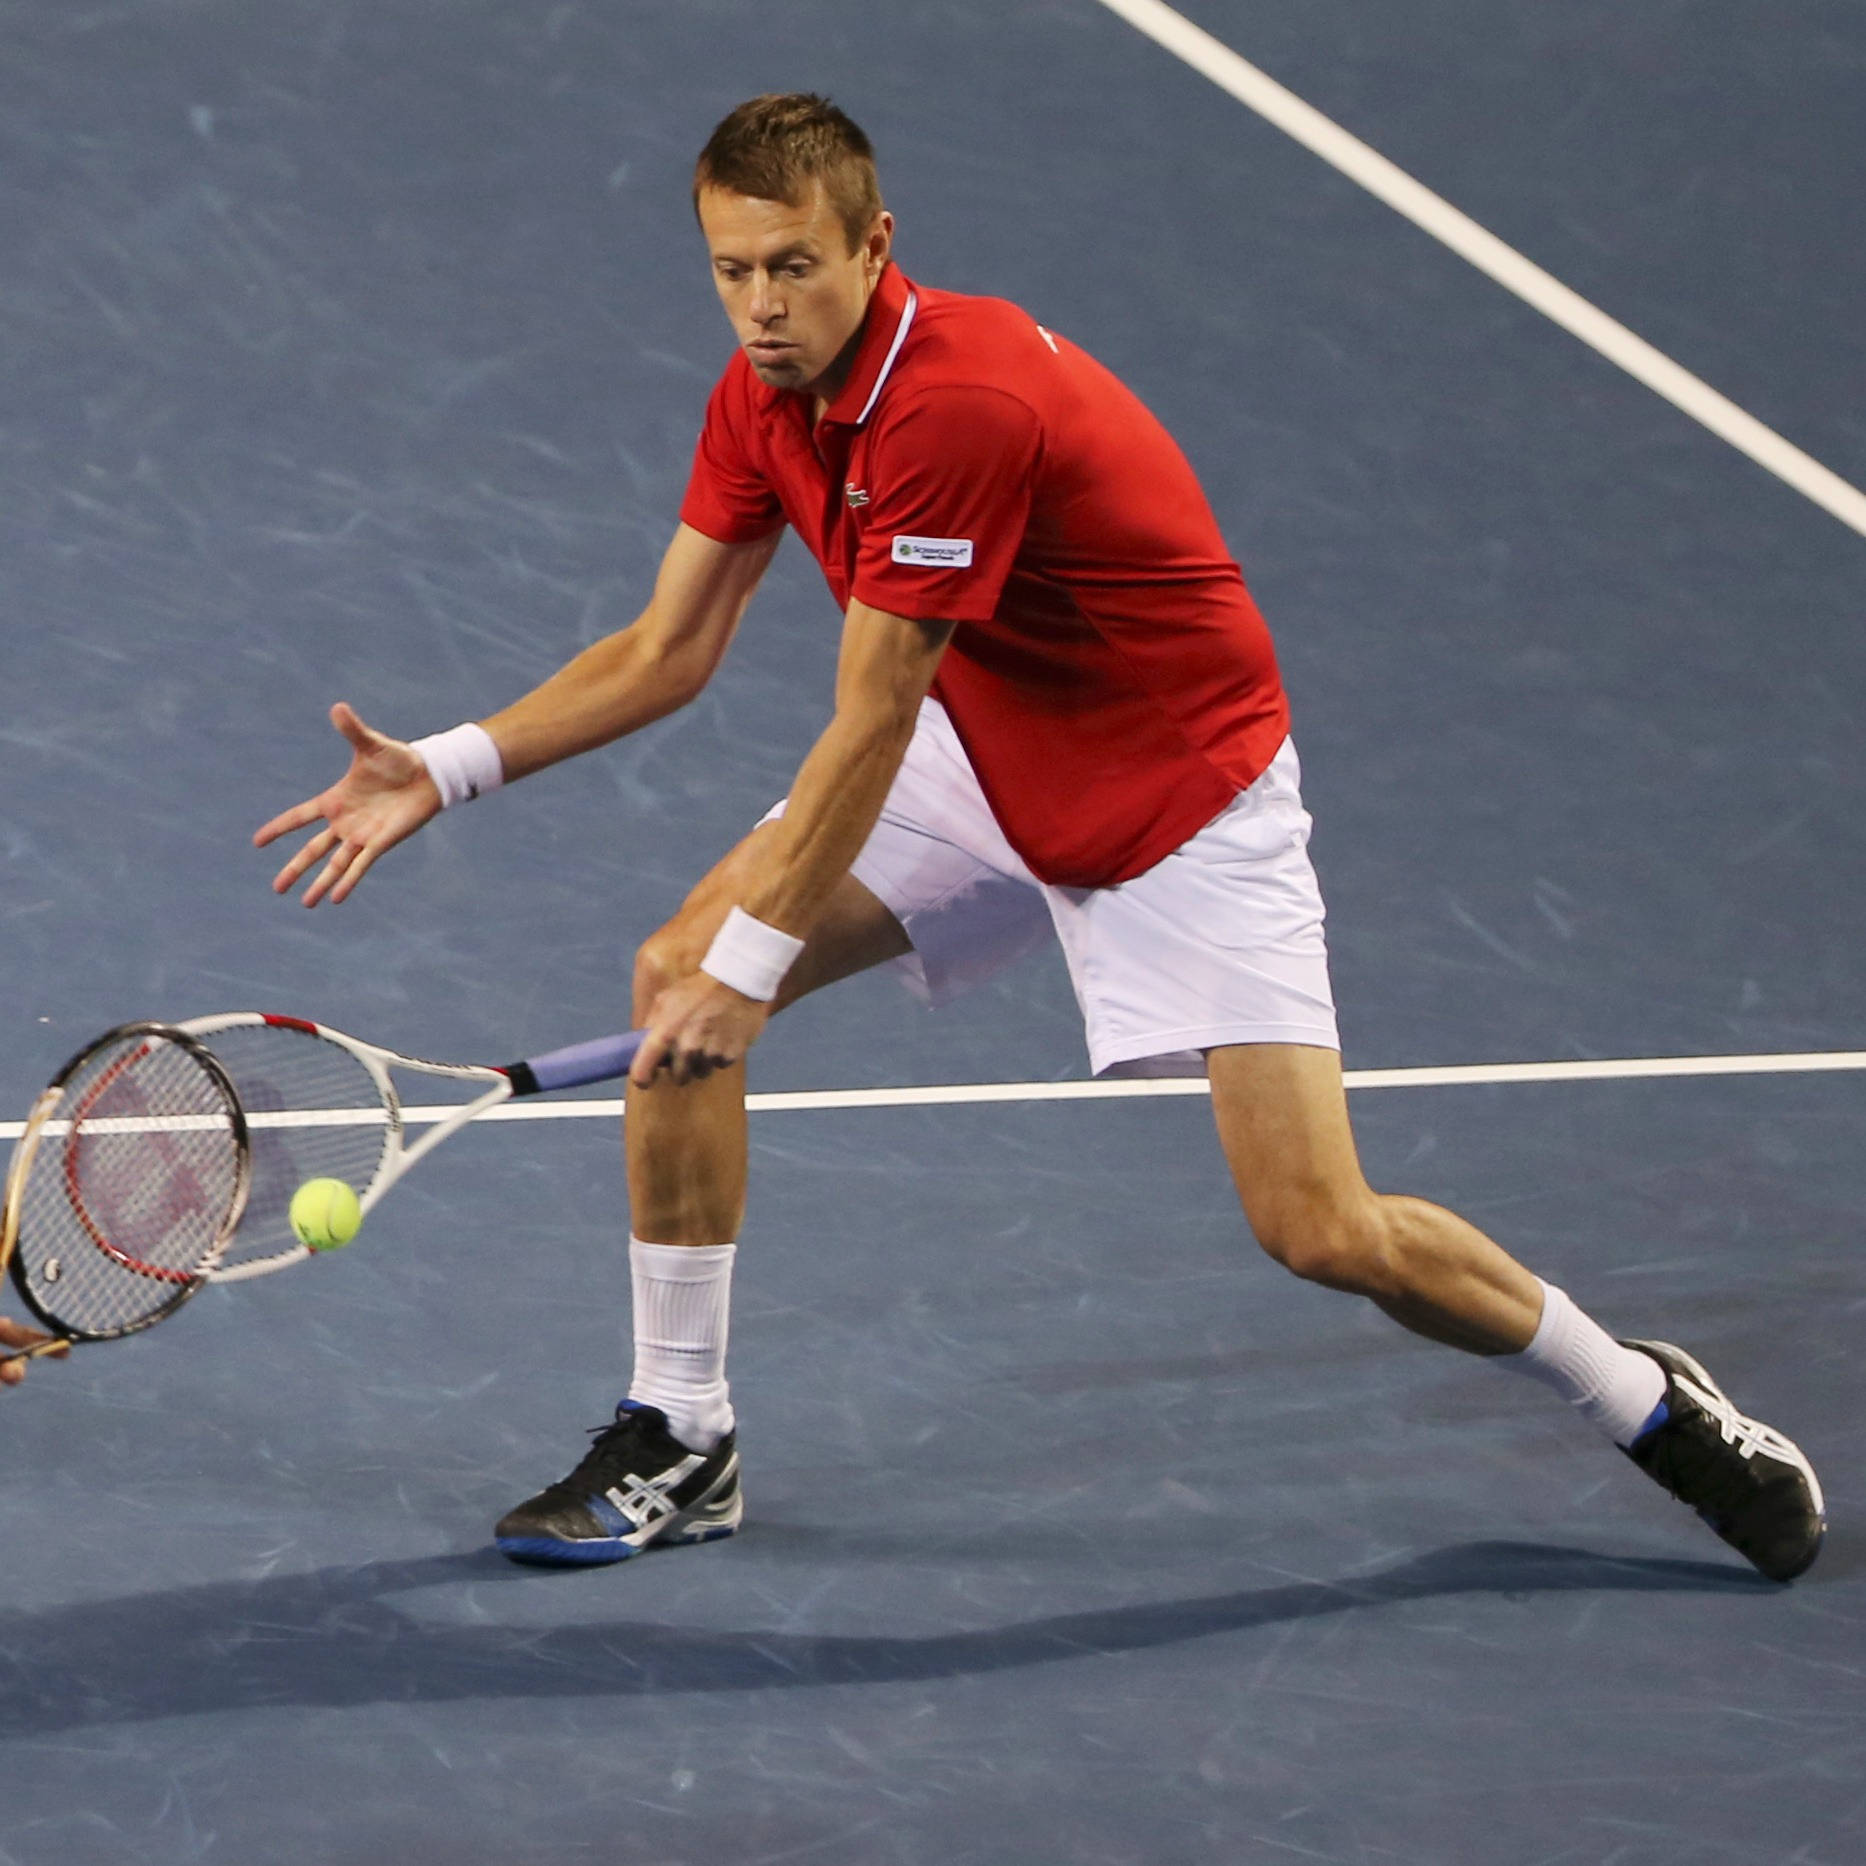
x=894, y=350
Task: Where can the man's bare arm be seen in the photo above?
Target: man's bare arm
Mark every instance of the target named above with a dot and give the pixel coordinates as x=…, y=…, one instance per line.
x=886, y=668
x=645, y=671
x=642, y=673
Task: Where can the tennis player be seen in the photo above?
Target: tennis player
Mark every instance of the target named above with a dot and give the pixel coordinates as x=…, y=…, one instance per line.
x=1057, y=715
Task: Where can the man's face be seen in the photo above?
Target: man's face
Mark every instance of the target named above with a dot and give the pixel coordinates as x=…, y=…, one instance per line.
x=790, y=285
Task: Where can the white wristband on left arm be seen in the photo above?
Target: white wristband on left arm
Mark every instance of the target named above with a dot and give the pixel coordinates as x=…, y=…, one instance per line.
x=463, y=763
x=750, y=956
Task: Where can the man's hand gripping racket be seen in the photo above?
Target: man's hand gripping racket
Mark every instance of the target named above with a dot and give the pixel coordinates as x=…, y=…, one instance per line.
x=164, y=1157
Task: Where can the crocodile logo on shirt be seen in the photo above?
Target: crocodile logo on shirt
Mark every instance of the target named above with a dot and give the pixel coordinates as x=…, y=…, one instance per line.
x=854, y=494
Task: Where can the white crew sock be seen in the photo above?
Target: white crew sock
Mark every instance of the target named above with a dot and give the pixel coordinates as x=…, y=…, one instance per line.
x=1618, y=1388
x=683, y=1299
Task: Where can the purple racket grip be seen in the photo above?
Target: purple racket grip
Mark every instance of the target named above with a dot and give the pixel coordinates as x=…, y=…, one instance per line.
x=603, y=1059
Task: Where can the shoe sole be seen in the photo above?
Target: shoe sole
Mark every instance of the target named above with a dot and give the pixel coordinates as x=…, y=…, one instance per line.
x=709, y=1520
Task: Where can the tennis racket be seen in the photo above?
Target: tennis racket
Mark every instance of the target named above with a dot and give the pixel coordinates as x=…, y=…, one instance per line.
x=164, y=1157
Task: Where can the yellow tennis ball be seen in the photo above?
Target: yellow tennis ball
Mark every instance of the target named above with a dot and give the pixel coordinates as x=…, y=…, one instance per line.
x=325, y=1214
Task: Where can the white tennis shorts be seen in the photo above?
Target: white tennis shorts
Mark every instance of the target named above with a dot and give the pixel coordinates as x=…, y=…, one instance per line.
x=1219, y=943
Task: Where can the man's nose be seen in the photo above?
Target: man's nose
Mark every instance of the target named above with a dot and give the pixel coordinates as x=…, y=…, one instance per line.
x=767, y=302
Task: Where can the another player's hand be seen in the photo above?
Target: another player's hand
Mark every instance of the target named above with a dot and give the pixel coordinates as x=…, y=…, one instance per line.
x=17, y=1335
x=384, y=797
x=697, y=1026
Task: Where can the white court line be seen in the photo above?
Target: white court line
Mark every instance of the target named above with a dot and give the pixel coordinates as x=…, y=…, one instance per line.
x=972, y=1094
x=965, y=1094
x=1434, y=215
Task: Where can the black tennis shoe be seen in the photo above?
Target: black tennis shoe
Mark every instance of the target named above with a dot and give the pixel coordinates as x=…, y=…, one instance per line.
x=1752, y=1485
x=638, y=1487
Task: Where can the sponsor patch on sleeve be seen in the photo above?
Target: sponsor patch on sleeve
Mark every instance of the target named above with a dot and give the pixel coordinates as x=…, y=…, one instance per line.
x=934, y=553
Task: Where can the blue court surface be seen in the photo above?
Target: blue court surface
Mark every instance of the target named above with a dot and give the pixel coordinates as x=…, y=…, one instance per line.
x=357, y=351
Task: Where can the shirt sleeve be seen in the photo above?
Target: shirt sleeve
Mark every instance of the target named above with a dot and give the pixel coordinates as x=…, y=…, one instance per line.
x=950, y=474
x=728, y=497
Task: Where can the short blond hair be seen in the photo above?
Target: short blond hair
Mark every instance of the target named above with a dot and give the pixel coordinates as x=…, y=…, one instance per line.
x=777, y=147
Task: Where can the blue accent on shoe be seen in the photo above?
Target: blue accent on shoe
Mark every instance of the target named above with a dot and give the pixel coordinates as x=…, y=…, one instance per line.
x=556, y=1552
x=607, y=1514
x=1654, y=1419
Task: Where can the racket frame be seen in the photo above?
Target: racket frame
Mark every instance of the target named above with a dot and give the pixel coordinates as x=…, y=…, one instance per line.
x=19, y=1164
x=39, y=1122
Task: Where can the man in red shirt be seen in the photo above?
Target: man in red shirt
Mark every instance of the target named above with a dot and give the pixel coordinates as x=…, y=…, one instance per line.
x=1057, y=709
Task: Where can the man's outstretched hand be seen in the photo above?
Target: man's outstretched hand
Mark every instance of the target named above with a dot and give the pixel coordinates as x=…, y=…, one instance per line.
x=384, y=797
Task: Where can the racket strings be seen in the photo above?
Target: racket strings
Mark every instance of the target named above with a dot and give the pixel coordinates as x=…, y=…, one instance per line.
x=130, y=1192
x=315, y=1111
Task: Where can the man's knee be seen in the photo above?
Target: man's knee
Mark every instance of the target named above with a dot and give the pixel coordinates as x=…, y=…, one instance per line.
x=1347, y=1247
x=674, y=951
x=671, y=953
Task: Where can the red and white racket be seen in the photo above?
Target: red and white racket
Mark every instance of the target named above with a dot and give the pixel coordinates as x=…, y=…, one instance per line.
x=164, y=1157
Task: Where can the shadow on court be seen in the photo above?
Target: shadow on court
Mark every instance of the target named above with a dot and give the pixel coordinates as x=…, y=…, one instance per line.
x=329, y=1638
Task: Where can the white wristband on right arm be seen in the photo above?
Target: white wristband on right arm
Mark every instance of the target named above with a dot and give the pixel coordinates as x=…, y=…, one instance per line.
x=463, y=763
x=750, y=956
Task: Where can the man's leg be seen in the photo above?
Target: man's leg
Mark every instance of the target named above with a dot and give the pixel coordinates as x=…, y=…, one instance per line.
x=1283, y=1123
x=686, y=1144
x=667, y=1470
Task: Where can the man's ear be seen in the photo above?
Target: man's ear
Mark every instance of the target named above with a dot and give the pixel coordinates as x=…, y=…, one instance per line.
x=880, y=242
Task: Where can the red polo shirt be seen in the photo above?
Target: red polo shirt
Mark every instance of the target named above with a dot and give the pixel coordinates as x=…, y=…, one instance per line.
x=1109, y=677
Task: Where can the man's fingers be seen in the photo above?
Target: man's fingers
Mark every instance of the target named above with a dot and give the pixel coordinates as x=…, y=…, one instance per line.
x=676, y=1062
x=313, y=851
x=386, y=795
x=13, y=1367
x=363, y=739
x=18, y=1336
x=358, y=863
x=662, y=1054
x=287, y=820
x=331, y=882
x=650, y=1057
